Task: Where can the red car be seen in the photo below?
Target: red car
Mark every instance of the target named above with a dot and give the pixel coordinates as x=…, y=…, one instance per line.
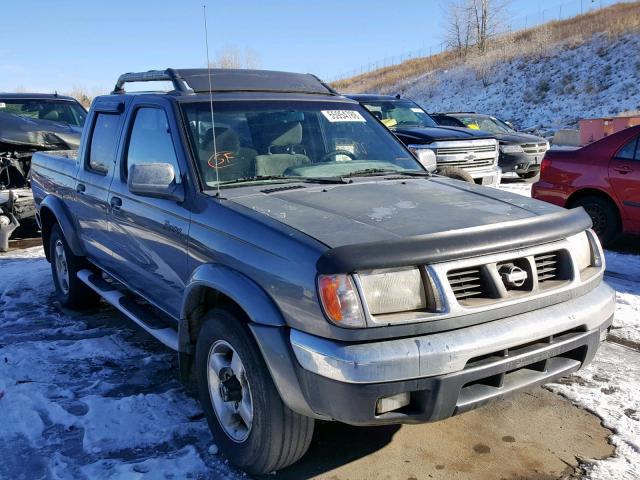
x=603, y=177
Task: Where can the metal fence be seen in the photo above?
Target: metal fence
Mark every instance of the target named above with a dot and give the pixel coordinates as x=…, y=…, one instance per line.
x=561, y=11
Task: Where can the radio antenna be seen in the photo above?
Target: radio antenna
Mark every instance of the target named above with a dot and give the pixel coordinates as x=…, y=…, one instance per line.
x=213, y=124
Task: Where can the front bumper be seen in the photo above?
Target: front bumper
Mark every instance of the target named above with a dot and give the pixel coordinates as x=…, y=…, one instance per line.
x=489, y=176
x=450, y=372
x=520, y=162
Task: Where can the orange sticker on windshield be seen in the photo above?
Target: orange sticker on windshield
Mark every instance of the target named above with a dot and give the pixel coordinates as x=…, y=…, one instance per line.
x=221, y=160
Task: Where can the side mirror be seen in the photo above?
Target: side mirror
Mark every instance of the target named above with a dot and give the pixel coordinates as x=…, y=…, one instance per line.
x=156, y=180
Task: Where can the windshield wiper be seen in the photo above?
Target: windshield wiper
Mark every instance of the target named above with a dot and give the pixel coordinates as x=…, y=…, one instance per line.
x=370, y=172
x=259, y=178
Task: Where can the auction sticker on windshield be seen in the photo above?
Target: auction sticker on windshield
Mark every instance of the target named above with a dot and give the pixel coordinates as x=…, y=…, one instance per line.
x=343, y=116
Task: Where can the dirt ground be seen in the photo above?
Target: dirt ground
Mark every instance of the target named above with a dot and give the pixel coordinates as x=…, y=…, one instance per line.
x=535, y=435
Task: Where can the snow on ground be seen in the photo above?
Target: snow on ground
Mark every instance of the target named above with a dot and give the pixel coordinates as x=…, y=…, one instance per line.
x=554, y=90
x=89, y=396
x=610, y=386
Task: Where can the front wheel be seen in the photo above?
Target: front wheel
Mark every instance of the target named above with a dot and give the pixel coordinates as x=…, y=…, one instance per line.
x=530, y=175
x=246, y=415
x=456, y=173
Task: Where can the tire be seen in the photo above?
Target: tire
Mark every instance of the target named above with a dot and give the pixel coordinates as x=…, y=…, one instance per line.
x=529, y=175
x=275, y=436
x=604, y=214
x=70, y=290
x=456, y=173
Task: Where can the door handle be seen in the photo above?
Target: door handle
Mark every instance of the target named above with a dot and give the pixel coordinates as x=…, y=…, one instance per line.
x=115, y=202
x=623, y=169
x=80, y=188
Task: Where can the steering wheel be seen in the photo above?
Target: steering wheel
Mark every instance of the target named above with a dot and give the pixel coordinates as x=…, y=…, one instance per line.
x=334, y=153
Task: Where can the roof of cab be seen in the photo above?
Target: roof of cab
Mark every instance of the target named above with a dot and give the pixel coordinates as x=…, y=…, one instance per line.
x=192, y=81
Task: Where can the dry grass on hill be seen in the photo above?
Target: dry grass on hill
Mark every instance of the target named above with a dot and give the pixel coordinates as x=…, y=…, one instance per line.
x=612, y=21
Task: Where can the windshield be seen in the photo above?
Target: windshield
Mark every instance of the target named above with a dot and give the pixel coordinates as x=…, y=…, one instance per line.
x=271, y=141
x=400, y=113
x=61, y=111
x=485, y=123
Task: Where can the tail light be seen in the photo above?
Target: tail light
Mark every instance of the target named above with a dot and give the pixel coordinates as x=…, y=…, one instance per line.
x=545, y=165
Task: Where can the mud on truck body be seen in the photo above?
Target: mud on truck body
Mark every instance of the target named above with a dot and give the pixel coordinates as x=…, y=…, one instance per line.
x=304, y=265
x=30, y=122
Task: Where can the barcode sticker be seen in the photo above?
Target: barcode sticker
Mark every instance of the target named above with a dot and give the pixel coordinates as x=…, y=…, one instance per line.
x=416, y=110
x=343, y=116
x=3, y=105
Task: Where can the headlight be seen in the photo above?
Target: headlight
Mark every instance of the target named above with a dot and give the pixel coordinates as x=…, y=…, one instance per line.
x=580, y=248
x=511, y=149
x=340, y=300
x=393, y=291
x=425, y=156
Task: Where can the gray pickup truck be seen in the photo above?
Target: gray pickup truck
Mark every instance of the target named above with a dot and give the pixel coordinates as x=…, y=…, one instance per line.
x=303, y=263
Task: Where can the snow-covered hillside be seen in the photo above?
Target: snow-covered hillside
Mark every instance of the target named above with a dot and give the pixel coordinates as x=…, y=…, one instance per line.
x=551, y=90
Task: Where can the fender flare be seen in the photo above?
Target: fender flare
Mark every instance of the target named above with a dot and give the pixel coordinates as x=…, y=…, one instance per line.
x=65, y=220
x=252, y=298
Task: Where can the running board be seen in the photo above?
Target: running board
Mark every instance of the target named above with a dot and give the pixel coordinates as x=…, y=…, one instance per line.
x=132, y=310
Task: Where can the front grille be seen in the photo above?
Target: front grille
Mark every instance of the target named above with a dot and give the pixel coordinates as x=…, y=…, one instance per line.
x=547, y=266
x=534, y=148
x=466, y=163
x=467, y=283
x=472, y=156
x=478, y=285
x=463, y=150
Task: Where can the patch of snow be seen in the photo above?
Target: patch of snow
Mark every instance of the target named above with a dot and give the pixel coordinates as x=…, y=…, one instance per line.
x=546, y=92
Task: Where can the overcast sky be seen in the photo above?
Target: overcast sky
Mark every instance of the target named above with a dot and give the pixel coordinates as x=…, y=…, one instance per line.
x=58, y=45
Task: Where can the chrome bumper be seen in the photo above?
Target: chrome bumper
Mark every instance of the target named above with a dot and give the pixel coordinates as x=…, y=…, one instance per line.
x=448, y=352
x=493, y=173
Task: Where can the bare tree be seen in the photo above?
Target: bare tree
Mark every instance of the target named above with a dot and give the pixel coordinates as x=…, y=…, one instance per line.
x=474, y=23
x=459, y=30
x=232, y=57
x=489, y=19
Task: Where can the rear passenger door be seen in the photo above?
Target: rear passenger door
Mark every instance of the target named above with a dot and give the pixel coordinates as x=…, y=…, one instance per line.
x=624, y=176
x=150, y=234
x=97, y=166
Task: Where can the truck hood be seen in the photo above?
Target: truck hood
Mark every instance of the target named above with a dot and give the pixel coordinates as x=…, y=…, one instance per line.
x=435, y=134
x=31, y=133
x=380, y=210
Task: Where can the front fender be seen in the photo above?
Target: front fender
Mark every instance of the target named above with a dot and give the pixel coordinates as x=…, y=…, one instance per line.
x=64, y=219
x=241, y=289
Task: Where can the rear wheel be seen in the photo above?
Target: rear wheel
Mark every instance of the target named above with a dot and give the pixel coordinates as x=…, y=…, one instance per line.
x=247, y=417
x=604, y=216
x=456, y=173
x=70, y=290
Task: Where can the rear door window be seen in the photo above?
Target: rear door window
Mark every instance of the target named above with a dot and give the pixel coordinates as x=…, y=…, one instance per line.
x=629, y=151
x=104, y=142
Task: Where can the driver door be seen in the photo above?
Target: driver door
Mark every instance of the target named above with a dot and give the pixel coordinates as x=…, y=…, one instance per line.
x=151, y=234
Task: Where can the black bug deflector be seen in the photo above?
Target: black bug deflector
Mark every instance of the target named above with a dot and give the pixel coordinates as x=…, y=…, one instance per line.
x=454, y=244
